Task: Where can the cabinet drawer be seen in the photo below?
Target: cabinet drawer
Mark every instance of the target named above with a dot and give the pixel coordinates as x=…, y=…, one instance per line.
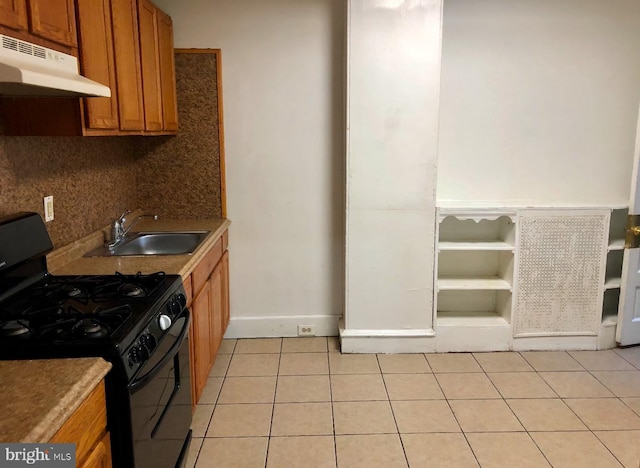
x=86, y=425
x=188, y=290
x=205, y=267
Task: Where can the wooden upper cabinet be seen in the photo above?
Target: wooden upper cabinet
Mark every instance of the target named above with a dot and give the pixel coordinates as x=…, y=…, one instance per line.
x=167, y=73
x=97, y=62
x=54, y=20
x=126, y=45
x=13, y=14
x=149, y=50
x=127, y=60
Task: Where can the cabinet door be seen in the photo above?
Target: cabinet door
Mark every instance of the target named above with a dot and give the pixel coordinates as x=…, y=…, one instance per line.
x=127, y=59
x=217, y=308
x=13, y=14
x=54, y=20
x=225, y=292
x=97, y=61
x=167, y=73
x=202, y=338
x=148, y=23
x=100, y=456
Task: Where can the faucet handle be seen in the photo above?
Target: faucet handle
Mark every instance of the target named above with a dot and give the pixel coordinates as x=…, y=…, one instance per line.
x=122, y=218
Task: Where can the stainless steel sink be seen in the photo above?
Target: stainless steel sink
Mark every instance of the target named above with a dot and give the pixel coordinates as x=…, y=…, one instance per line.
x=154, y=243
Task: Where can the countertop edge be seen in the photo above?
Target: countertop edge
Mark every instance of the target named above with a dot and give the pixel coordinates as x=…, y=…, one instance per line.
x=59, y=414
x=203, y=249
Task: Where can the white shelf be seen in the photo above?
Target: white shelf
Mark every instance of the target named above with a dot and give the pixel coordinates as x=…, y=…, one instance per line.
x=470, y=319
x=609, y=318
x=475, y=266
x=613, y=283
x=473, y=283
x=615, y=244
x=474, y=245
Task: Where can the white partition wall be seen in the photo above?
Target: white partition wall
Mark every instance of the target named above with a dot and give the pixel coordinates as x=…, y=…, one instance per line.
x=283, y=79
x=393, y=60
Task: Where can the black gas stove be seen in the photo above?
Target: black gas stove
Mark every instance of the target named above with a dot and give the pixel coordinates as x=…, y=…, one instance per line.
x=137, y=322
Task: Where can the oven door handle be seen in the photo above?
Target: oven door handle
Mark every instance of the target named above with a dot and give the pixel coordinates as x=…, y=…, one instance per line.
x=170, y=354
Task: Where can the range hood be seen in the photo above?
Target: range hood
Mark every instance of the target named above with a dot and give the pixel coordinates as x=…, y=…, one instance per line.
x=30, y=70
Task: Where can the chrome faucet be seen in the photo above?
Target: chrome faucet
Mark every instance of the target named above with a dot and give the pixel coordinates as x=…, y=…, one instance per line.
x=118, y=231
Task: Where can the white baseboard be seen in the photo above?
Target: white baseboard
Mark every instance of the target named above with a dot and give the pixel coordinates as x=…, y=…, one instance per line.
x=607, y=336
x=555, y=343
x=457, y=339
x=387, y=341
x=387, y=345
x=281, y=326
x=447, y=339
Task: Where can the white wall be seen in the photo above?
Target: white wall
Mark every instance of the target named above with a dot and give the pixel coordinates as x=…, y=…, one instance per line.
x=283, y=79
x=393, y=91
x=539, y=100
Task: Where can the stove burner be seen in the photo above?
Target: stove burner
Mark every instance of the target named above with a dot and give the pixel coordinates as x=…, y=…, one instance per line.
x=15, y=328
x=131, y=290
x=91, y=328
x=74, y=292
x=79, y=308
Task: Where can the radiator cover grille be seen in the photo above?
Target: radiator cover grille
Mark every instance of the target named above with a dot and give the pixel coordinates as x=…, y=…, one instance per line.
x=560, y=275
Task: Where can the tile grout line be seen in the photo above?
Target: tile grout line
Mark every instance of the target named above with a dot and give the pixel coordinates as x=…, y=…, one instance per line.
x=559, y=397
x=333, y=415
x=572, y=411
x=608, y=449
x=273, y=405
x=224, y=378
x=637, y=367
x=382, y=374
x=526, y=431
x=454, y=414
x=393, y=414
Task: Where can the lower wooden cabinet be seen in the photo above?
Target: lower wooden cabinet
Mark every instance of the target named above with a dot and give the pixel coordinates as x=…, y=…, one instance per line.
x=225, y=289
x=203, y=329
x=87, y=428
x=209, y=284
x=100, y=456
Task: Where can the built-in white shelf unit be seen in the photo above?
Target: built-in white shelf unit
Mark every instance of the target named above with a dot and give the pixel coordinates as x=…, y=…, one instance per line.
x=475, y=269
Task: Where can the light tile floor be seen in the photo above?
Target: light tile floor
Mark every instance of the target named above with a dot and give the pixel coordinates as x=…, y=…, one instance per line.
x=298, y=402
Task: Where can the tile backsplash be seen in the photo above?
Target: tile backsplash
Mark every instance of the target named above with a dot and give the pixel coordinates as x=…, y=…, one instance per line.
x=179, y=177
x=93, y=179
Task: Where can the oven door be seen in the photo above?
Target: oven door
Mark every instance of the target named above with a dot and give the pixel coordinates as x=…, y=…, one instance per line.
x=161, y=401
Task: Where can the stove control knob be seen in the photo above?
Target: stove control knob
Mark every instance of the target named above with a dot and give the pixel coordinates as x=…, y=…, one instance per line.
x=135, y=355
x=173, y=308
x=148, y=341
x=164, y=321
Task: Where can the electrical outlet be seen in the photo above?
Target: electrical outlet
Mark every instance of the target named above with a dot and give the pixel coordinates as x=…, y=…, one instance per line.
x=48, y=208
x=306, y=330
